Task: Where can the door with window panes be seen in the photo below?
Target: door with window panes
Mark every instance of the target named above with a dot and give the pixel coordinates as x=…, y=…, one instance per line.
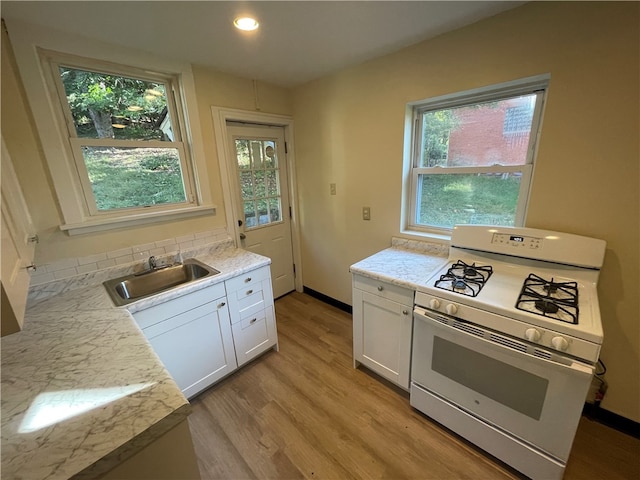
x=263, y=215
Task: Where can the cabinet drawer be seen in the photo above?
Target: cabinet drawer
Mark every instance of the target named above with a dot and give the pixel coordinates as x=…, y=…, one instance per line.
x=176, y=306
x=383, y=289
x=254, y=334
x=247, y=280
x=249, y=293
x=250, y=304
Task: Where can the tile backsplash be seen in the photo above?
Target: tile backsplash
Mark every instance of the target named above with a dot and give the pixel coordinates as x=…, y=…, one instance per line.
x=70, y=267
x=441, y=249
x=76, y=272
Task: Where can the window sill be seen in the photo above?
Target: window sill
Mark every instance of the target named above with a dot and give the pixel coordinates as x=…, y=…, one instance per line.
x=97, y=225
x=426, y=236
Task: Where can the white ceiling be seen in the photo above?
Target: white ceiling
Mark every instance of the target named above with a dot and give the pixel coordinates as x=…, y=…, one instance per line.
x=298, y=41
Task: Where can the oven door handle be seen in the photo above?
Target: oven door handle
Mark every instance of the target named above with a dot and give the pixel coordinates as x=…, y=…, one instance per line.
x=489, y=337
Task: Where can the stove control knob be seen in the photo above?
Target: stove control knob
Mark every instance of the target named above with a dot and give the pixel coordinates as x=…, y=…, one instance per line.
x=451, y=309
x=532, y=335
x=434, y=303
x=559, y=343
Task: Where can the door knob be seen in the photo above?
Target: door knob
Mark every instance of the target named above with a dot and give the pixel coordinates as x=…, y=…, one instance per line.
x=242, y=236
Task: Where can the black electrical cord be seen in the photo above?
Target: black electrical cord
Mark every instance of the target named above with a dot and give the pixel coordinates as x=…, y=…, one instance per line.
x=603, y=383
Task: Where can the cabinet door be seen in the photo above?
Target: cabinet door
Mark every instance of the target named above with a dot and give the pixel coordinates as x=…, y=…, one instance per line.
x=382, y=336
x=196, y=347
x=17, y=248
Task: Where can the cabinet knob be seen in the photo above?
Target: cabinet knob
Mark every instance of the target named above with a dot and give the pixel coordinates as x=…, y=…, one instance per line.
x=247, y=280
x=405, y=312
x=380, y=288
x=221, y=304
x=253, y=320
x=249, y=292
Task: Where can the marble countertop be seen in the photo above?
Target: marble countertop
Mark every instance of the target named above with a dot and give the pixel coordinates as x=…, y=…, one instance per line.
x=82, y=389
x=406, y=263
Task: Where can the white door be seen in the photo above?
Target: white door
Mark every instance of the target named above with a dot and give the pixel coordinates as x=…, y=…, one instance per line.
x=263, y=199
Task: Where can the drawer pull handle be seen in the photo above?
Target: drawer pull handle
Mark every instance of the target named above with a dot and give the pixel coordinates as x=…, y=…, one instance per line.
x=249, y=292
x=222, y=304
x=247, y=280
x=253, y=320
x=380, y=288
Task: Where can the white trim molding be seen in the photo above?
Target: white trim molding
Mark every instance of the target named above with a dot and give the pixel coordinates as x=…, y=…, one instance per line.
x=28, y=41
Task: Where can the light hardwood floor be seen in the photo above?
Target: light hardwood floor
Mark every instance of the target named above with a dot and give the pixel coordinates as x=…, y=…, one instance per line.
x=305, y=412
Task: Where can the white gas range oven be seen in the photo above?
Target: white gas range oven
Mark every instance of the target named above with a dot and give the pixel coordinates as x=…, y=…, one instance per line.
x=506, y=338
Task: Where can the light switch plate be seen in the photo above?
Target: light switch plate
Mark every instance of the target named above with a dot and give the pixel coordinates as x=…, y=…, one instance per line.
x=366, y=213
x=332, y=188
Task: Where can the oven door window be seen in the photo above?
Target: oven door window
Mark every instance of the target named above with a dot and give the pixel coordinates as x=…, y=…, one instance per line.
x=510, y=386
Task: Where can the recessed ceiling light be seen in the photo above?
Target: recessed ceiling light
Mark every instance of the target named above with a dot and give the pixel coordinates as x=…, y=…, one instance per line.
x=246, y=23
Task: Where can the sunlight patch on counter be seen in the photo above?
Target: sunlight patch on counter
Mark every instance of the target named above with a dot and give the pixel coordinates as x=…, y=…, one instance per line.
x=53, y=407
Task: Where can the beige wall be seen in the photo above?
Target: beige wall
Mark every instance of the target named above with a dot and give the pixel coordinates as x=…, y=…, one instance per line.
x=212, y=88
x=349, y=131
x=350, y=127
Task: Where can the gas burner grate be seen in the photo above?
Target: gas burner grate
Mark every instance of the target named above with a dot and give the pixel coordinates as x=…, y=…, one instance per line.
x=555, y=300
x=464, y=279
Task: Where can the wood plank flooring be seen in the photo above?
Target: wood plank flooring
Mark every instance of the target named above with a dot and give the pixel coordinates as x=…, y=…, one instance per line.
x=305, y=412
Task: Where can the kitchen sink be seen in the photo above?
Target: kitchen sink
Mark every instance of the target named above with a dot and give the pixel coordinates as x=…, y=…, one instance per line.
x=128, y=289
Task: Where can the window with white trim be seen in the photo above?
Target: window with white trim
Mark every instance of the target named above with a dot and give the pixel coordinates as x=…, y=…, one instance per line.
x=124, y=134
x=83, y=158
x=471, y=157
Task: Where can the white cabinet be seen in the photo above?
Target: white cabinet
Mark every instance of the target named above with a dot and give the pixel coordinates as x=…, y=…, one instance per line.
x=252, y=314
x=17, y=248
x=203, y=336
x=382, y=321
x=192, y=336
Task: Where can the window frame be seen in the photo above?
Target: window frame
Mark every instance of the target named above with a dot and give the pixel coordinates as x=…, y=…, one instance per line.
x=55, y=60
x=252, y=170
x=414, y=139
x=29, y=42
